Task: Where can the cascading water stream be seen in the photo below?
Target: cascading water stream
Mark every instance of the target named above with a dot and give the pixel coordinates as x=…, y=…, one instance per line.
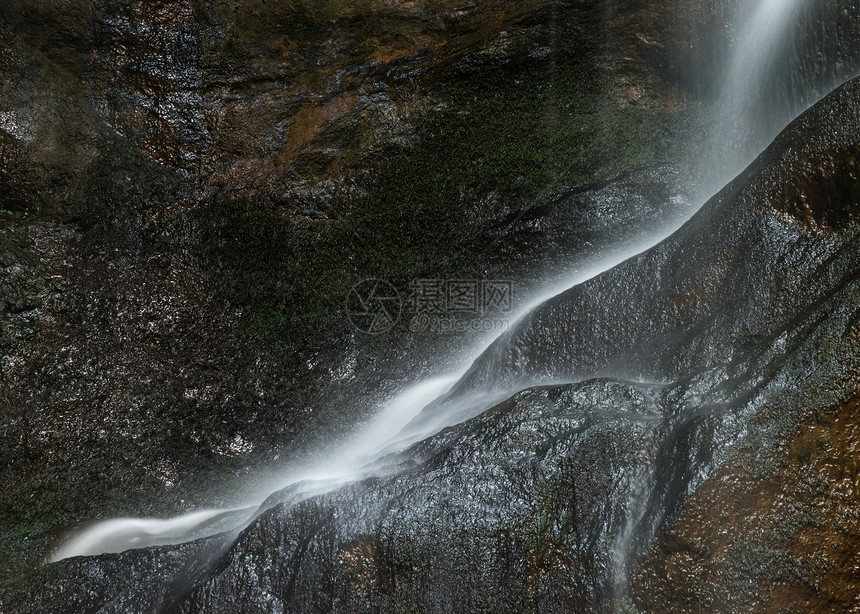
x=341, y=465
x=736, y=138
x=737, y=135
x=732, y=146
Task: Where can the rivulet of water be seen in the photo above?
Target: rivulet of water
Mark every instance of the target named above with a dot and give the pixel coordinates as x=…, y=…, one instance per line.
x=735, y=139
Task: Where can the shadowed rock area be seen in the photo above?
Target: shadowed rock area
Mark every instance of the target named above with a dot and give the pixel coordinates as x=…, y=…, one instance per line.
x=188, y=191
x=767, y=537
x=725, y=340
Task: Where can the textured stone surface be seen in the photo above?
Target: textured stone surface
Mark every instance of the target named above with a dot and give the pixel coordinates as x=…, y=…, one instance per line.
x=188, y=190
x=775, y=536
x=542, y=502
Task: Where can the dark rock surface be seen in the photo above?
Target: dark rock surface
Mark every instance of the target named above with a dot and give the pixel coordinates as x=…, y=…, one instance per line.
x=784, y=537
x=717, y=292
x=542, y=502
x=539, y=503
x=188, y=190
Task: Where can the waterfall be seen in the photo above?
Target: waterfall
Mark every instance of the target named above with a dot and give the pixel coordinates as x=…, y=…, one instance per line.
x=341, y=465
x=738, y=132
x=734, y=141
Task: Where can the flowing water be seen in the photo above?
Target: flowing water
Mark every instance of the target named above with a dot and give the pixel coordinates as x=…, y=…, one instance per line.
x=765, y=26
x=739, y=131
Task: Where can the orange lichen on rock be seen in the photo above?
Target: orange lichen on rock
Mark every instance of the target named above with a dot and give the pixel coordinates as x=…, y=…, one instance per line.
x=778, y=538
x=824, y=194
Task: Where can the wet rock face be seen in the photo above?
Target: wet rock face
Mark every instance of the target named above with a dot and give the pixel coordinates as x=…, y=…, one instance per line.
x=572, y=228
x=693, y=304
x=543, y=502
x=519, y=509
x=668, y=441
x=269, y=100
x=833, y=190
x=544, y=498
x=766, y=537
x=43, y=159
x=188, y=190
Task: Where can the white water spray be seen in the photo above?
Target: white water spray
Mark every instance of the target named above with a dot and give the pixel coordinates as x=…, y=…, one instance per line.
x=121, y=534
x=756, y=52
x=736, y=137
x=346, y=463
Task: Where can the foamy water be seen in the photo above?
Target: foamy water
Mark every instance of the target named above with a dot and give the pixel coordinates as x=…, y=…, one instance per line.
x=394, y=427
